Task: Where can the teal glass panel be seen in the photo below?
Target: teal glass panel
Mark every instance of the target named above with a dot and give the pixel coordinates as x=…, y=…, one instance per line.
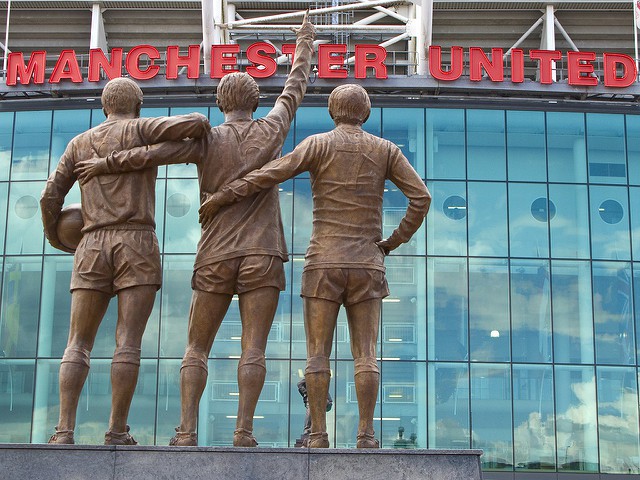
x=394, y=208
x=534, y=444
x=16, y=400
x=297, y=412
x=489, y=334
x=570, y=225
x=636, y=298
x=302, y=215
x=634, y=218
x=447, y=309
x=447, y=219
x=4, y=191
x=572, y=312
x=405, y=128
x=183, y=170
x=566, y=148
x=97, y=117
x=286, y=211
x=404, y=329
x=576, y=419
x=633, y=148
x=182, y=230
x=161, y=212
x=6, y=142
x=448, y=406
x=486, y=149
x=31, y=141
x=613, y=313
x=530, y=311
x=526, y=146
x=297, y=335
x=606, y=148
x=618, y=420
x=66, y=125
x=374, y=124
x=609, y=223
x=312, y=120
x=20, y=305
x=175, y=302
x=168, y=411
x=24, y=222
x=92, y=418
x=529, y=213
x=487, y=219
x=491, y=422
x=55, y=306
x=342, y=337
x=404, y=400
x=445, y=144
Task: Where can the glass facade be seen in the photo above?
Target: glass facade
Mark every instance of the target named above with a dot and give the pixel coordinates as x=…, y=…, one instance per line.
x=511, y=324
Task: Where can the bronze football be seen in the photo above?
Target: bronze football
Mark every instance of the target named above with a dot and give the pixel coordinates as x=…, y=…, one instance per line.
x=70, y=225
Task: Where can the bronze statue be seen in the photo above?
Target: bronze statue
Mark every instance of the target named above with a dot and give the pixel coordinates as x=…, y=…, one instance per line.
x=303, y=441
x=118, y=253
x=243, y=249
x=344, y=263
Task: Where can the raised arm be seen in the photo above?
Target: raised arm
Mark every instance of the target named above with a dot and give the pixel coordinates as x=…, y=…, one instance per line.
x=402, y=174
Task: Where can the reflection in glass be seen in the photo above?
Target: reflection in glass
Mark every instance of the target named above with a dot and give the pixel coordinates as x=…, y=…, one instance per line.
x=609, y=223
x=526, y=148
x=487, y=219
x=566, y=149
x=570, y=226
x=16, y=400
x=533, y=418
x=405, y=128
x=66, y=125
x=394, y=207
x=4, y=190
x=31, y=145
x=24, y=225
x=446, y=221
x=176, y=299
x=606, y=148
x=576, y=417
x=489, y=333
x=302, y=215
x=491, y=420
x=618, y=420
x=6, y=141
x=182, y=230
x=168, y=410
x=486, y=145
x=445, y=144
x=448, y=405
x=633, y=148
x=528, y=229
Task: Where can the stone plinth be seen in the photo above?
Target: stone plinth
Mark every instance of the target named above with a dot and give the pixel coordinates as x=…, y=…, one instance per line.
x=80, y=462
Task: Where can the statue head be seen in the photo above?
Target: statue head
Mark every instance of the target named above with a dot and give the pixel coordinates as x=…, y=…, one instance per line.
x=121, y=96
x=237, y=91
x=349, y=104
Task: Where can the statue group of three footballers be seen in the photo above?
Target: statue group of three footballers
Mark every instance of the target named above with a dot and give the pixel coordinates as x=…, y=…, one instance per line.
x=242, y=248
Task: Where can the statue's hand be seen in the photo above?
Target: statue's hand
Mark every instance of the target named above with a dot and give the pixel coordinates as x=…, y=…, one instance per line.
x=306, y=28
x=386, y=246
x=209, y=208
x=87, y=169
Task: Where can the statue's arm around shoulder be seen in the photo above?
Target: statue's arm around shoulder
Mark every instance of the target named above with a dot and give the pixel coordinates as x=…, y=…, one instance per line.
x=178, y=127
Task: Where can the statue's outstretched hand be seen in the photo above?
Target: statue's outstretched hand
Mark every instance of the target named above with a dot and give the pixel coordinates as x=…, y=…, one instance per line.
x=306, y=28
x=209, y=208
x=87, y=169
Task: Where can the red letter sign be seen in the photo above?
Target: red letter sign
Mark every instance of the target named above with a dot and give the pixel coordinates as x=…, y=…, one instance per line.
x=435, y=63
x=263, y=65
x=133, y=58
x=629, y=70
x=66, y=67
x=97, y=61
x=16, y=68
x=221, y=56
x=377, y=62
x=191, y=61
x=478, y=60
x=546, y=57
x=517, y=66
x=328, y=56
x=580, y=69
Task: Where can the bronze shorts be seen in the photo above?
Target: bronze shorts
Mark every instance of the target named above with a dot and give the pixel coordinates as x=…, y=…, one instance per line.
x=347, y=286
x=109, y=260
x=240, y=275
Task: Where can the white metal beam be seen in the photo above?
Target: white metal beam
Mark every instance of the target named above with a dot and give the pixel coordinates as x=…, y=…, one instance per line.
x=98, y=37
x=565, y=34
x=389, y=12
x=524, y=36
x=548, y=38
x=5, y=47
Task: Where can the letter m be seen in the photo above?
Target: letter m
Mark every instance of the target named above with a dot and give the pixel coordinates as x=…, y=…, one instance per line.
x=17, y=69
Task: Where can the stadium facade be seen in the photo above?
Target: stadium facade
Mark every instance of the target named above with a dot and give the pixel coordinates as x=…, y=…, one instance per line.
x=513, y=322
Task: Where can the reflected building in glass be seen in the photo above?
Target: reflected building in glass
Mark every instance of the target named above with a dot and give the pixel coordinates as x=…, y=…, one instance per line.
x=512, y=324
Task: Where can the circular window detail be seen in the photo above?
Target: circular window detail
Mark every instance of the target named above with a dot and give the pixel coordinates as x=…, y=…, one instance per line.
x=26, y=207
x=178, y=205
x=543, y=210
x=610, y=211
x=455, y=207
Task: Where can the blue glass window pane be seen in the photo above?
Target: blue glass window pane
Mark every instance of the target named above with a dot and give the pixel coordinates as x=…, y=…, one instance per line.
x=577, y=436
x=403, y=330
x=31, y=142
x=572, y=313
x=312, y=120
x=487, y=219
x=566, y=149
x=636, y=298
x=618, y=419
x=633, y=148
x=394, y=208
x=4, y=190
x=168, y=410
x=182, y=230
x=447, y=219
x=176, y=299
x=97, y=117
x=56, y=306
x=66, y=125
x=16, y=400
x=445, y=144
x=534, y=444
x=526, y=148
x=613, y=307
x=491, y=421
x=298, y=335
x=302, y=215
x=570, y=225
x=448, y=405
x=297, y=412
x=489, y=333
x=486, y=152
x=530, y=311
x=405, y=128
x=216, y=117
x=183, y=170
x=374, y=124
x=6, y=142
x=609, y=223
x=286, y=210
x=447, y=309
x=529, y=214
x=606, y=148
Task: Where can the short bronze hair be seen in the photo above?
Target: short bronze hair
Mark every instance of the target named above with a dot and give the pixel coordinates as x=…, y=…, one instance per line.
x=349, y=104
x=121, y=95
x=237, y=91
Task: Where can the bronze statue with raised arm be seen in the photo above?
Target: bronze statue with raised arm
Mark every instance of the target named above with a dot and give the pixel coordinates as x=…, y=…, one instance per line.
x=344, y=263
x=243, y=249
x=118, y=253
